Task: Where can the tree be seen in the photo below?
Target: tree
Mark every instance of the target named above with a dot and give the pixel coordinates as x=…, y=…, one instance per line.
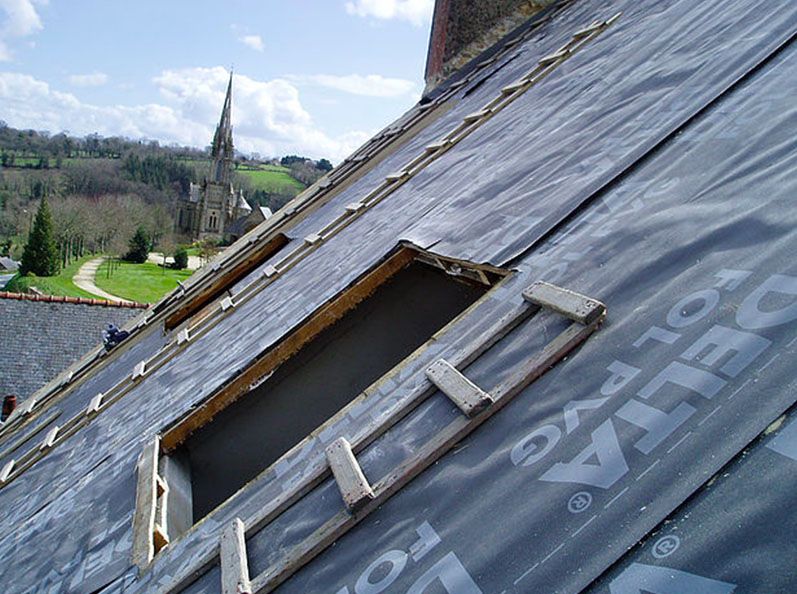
x=139, y=247
x=181, y=259
x=324, y=165
x=41, y=254
x=305, y=172
x=289, y=160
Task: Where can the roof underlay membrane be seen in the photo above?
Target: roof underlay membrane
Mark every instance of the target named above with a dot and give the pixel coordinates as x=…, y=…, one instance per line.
x=653, y=170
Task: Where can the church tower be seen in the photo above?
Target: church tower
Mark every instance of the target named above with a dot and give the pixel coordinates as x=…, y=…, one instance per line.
x=211, y=208
x=222, y=149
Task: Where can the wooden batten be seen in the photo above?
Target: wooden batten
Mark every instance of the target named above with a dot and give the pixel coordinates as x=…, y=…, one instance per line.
x=50, y=438
x=183, y=336
x=397, y=176
x=5, y=472
x=146, y=503
x=234, y=564
x=468, y=397
x=354, y=487
x=570, y=304
x=554, y=57
x=476, y=116
x=353, y=207
x=312, y=239
x=139, y=370
x=95, y=404
x=227, y=303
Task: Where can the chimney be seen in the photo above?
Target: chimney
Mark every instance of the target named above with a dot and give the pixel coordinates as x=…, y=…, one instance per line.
x=463, y=29
x=9, y=404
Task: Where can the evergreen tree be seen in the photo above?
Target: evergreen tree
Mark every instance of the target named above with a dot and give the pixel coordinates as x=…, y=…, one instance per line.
x=41, y=254
x=139, y=247
x=181, y=258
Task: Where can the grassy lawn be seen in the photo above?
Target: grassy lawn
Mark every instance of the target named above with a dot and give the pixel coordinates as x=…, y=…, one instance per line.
x=145, y=283
x=61, y=285
x=272, y=178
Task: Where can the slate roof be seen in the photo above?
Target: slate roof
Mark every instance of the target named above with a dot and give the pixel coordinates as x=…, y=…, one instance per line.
x=40, y=336
x=7, y=263
x=652, y=169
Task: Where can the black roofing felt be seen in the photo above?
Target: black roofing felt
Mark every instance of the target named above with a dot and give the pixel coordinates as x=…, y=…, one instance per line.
x=654, y=170
x=39, y=340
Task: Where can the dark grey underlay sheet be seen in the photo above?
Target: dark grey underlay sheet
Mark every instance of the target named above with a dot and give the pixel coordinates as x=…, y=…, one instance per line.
x=576, y=480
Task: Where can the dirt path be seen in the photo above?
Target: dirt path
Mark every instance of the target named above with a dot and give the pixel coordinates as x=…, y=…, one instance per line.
x=85, y=280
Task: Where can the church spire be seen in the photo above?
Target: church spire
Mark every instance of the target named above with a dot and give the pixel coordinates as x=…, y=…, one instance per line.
x=222, y=149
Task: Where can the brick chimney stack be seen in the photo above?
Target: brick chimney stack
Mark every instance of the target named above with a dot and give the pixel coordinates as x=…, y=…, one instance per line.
x=9, y=404
x=462, y=29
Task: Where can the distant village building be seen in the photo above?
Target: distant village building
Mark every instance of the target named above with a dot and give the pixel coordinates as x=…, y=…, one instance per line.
x=211, y=208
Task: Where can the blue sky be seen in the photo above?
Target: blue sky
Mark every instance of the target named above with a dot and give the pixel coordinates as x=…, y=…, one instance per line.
x=314, y=77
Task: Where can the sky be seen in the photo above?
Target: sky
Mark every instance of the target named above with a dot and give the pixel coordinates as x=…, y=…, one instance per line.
x=312, y=77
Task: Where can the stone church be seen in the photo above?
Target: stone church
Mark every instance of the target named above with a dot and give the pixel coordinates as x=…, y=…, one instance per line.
x=211, y=208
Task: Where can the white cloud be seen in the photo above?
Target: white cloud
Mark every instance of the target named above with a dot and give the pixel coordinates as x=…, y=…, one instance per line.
x=417, y=12
x=253, y=41
x=267, y=115
x=20, y=20
x=95, y=79
x=372, y=85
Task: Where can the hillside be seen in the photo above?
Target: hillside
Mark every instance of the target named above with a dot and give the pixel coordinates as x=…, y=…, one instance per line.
x=102, y=189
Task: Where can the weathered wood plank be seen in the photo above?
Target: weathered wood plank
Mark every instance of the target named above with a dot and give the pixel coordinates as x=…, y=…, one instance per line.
x=468, y=397
x=234, y=564
x=6, y=471
x=139, y=370
x=94, y=405
x=227, y=303
x=49, y=438
x=554, y=57
x=183, y=336
x=476, y=116
x=397, y=176
x=353, y=485
x=570, y=304
x=146, y=499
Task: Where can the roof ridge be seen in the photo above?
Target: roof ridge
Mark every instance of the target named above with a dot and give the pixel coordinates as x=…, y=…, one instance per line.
x=72, y=300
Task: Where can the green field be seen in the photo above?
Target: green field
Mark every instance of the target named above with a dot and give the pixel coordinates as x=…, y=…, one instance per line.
x=61, y=285
x=144, y=283
x=273, y=179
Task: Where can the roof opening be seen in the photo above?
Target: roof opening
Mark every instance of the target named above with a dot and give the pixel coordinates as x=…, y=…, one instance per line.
x=329, y=360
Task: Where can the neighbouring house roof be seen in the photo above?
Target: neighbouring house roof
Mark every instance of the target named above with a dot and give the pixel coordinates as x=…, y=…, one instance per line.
x=638, y=152
x=7, y=263
x=42, y=335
